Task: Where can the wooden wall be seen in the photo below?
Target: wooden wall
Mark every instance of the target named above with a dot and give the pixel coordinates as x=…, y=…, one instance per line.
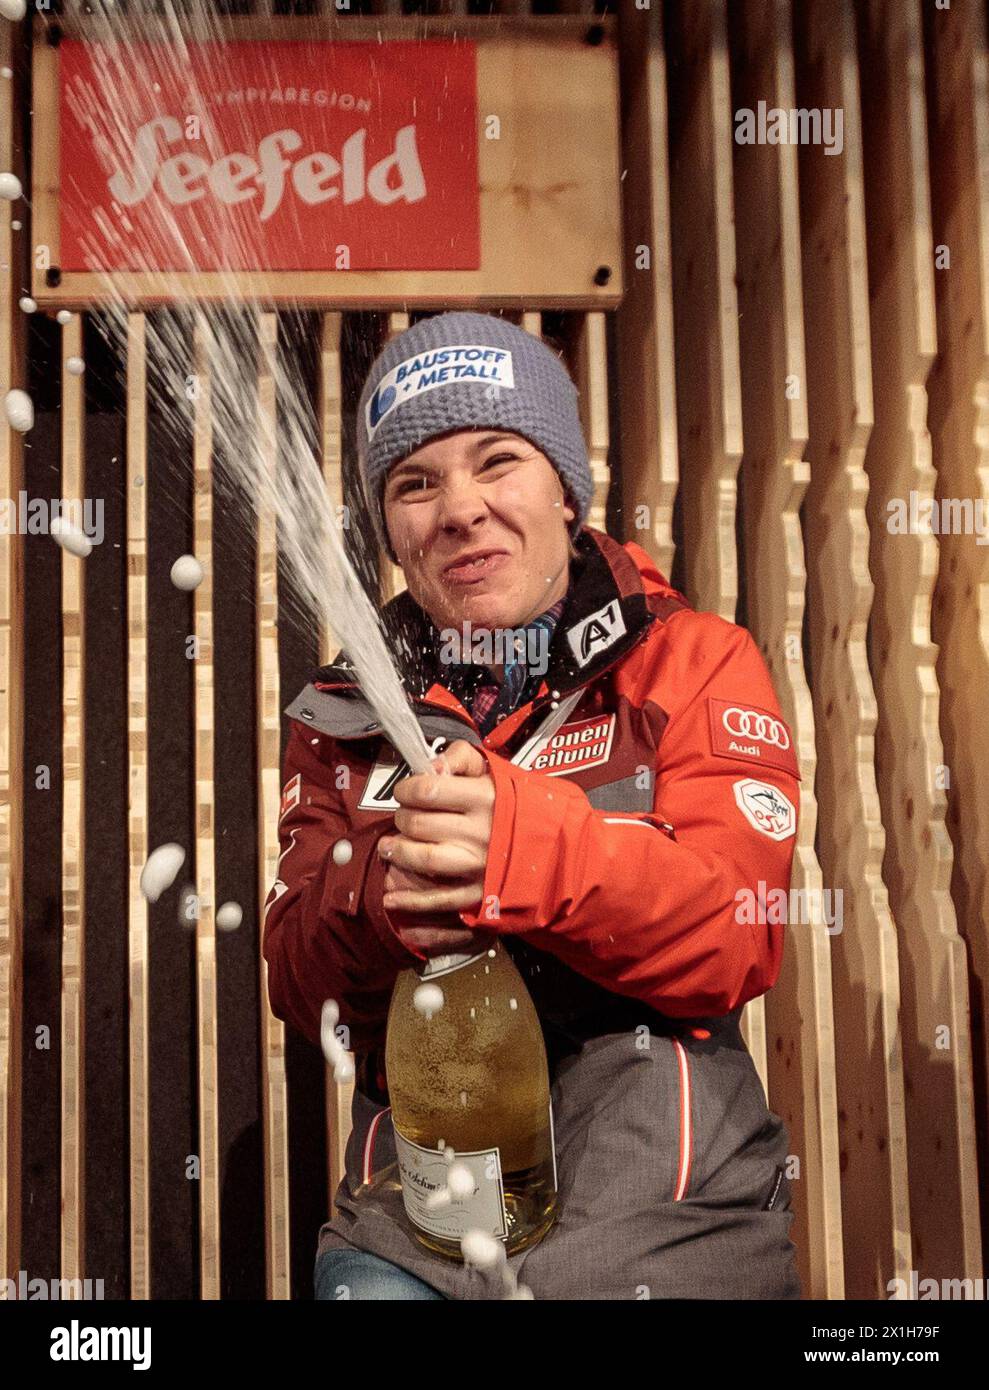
x=803, y=344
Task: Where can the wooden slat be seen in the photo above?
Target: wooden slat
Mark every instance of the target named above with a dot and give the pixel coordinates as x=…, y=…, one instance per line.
x=865, y=983
x=592, y=382
x=392, y=578
x=790, y=1031
x=137, y=803
x=73, y=826
x=959, y=415
x=205, y=855
x=918, y=862
x=274, y=1088
x=708, y=397
x=13, y=374
x=548, y=185
x=339, y=1096
x=644, y=322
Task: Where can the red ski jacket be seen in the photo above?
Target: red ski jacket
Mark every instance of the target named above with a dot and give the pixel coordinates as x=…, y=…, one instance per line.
x=628, y=856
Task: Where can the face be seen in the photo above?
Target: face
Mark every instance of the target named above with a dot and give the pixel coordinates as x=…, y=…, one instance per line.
x=480, y=493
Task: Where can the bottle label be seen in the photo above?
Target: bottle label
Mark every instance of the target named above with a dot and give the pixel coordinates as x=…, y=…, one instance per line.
x=424, y=1171
x=444, y=965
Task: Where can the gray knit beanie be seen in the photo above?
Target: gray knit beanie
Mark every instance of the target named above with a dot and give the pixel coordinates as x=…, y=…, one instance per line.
x=463, y=371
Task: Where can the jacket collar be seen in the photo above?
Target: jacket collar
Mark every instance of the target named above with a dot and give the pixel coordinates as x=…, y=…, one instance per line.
x=605, y=615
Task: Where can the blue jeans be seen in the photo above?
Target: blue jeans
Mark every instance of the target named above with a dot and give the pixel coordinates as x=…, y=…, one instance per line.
x=343, y=1274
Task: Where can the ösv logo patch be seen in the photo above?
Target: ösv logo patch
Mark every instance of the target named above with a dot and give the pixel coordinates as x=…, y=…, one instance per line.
x=766, y=808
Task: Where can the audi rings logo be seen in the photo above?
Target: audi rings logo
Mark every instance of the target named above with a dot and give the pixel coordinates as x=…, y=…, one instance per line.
x=746, y=723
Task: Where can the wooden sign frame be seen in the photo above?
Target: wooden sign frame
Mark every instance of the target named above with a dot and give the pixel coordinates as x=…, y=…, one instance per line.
x=550, y=189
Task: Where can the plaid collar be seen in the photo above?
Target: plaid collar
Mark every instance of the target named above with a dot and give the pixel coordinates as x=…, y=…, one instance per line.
x=476, y=687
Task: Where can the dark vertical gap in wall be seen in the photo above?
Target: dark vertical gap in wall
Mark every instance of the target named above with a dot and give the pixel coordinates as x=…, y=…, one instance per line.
x=298, y=657
x=173, y=1079
x=680, y=95
x=105, y=969
x=618, y=525
x=739, y=40
x=235, y=801
x=362, y=337
x=742, y=603
x=42, y=940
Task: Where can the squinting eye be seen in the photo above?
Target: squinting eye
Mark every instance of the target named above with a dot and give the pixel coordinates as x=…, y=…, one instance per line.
x=499, y=458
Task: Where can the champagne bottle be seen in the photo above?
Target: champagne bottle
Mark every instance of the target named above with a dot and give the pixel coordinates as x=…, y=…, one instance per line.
x=467, y=1071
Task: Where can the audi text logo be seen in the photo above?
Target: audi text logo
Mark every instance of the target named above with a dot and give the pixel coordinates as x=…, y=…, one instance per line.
x=745, y=723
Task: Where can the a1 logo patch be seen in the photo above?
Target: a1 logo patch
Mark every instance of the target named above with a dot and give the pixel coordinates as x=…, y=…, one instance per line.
x=596, y=632
x=745, y=732
x=766, y=808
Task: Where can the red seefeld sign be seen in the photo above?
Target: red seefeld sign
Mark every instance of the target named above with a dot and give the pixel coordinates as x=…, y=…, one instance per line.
x=274, y=156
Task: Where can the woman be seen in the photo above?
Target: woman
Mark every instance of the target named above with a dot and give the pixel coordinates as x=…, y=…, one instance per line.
x=619, y=864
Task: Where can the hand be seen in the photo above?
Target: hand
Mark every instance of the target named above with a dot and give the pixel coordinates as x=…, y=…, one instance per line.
x=446, y=932
x=440, y=856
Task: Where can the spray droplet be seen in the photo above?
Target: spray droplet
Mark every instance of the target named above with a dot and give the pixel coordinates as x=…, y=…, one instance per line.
x=428, y=999
x=187, y=572
x=64, y=316
x=15, y=224
x=28, y=304
x=20, y=410
x=12, y=9
x=513, y=1003
x=10, y=185
x=70, y=538
x=160, y=870
x=6, y=72
x=75, y=366
x=229, y=916
x=460, y=1181
x=482, y=1250
x=343, y=852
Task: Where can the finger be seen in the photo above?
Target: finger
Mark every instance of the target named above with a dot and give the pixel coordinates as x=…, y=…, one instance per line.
x=433, y=827
x=397, y=879
x=431, y=939
x=434, y=860
x=434, y=792
x=462, y=759
x=453, y=898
